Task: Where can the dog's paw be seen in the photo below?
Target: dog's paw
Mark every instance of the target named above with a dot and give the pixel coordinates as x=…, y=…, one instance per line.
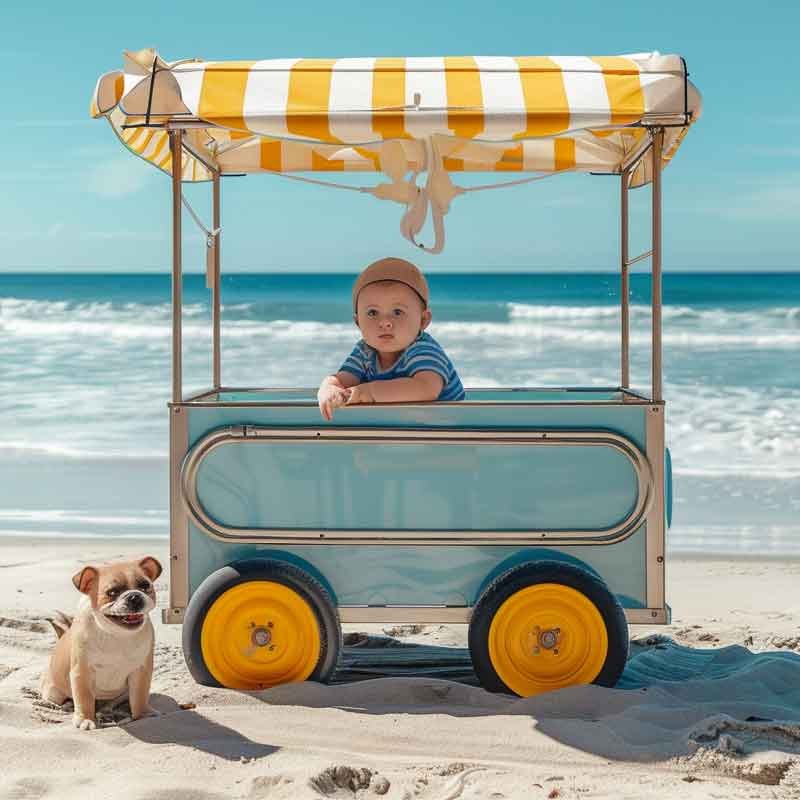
x=148, y=711
x=83, y=723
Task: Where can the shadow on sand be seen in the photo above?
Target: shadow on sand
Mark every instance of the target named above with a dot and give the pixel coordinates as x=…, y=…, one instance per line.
x=189, y=728
x=671, y=701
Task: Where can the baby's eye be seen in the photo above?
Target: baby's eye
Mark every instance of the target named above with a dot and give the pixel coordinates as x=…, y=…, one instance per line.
x=372, y=313
x=398, y=312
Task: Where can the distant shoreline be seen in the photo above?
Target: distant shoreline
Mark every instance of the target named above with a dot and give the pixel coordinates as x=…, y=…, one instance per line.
x=498, y=272
x=67, y=541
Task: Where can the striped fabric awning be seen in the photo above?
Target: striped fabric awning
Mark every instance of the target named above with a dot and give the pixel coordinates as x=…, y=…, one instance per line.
x=540, y=114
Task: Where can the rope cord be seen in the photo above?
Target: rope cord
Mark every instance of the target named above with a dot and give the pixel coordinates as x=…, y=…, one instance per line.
x=514, y=183
x=210, y=234
x=417, y=208
x=331, y=184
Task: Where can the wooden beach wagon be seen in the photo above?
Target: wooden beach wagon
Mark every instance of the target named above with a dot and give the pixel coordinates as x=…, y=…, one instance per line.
x=535, y=515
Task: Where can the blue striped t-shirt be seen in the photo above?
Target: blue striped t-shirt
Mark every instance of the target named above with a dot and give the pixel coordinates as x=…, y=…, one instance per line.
x=423, y=354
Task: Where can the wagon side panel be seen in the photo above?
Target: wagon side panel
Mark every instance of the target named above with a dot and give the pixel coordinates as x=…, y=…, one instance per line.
x=481, y=487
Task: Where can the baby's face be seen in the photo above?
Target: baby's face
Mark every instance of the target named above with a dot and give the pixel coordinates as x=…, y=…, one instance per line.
x=390, y=315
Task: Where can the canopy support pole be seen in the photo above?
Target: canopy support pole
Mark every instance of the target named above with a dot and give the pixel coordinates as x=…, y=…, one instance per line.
x=624, y=283
x=176, y=144
x=658, y=144
x=215, y=294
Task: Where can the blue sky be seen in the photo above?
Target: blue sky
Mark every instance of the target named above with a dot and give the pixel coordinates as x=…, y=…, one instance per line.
x=72, y=198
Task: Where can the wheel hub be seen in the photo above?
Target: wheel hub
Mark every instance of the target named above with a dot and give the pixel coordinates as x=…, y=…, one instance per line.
x=261, y=637
x=549, y=638
x=543, y=638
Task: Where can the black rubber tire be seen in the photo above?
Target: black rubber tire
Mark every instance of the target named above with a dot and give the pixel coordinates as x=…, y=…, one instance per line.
x=289, y=575
x=525, y=575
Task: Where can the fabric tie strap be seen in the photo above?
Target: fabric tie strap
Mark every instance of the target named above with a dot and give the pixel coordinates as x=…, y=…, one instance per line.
x=437, y=194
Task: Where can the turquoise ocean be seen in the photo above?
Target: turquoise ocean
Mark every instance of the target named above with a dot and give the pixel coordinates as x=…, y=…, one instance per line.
x=85, y=380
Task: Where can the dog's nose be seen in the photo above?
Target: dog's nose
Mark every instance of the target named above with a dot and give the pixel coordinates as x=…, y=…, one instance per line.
x=135, y=602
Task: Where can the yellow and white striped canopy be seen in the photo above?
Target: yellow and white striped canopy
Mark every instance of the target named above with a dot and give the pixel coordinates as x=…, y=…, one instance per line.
x=489, y=114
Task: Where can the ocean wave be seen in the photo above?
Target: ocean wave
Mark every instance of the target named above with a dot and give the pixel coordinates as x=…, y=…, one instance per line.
x=53, y=533
x=57, y=450
x=260, y=310
x=717, y=316
x=100, y=310
x=769, y=471
x=524, y=311
x=592, y=337
x=767, y=540
x=282, y=330
x=136, y=518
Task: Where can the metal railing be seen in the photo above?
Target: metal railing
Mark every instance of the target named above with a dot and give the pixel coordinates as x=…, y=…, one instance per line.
x=250, y=435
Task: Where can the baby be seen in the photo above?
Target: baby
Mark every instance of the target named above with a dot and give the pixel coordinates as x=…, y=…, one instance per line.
x=395, y=361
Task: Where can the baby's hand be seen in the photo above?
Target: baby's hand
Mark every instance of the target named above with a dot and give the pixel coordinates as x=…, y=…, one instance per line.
x=360, y=394
x=329, y=396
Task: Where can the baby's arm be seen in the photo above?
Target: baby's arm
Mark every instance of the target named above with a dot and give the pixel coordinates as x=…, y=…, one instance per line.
x=333, y=392
x=423, y=386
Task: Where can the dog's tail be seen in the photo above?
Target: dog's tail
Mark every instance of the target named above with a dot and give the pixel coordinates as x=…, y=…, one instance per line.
x=60, y=622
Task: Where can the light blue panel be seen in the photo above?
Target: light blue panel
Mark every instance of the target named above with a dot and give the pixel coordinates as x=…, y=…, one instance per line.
x=668, y=486
x=435, y=575
x=482, y=395
x=628, y=419
x=451, y=575
x=371, y=486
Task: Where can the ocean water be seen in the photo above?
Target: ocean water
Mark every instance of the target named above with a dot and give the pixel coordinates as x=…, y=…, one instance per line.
x=86, y=377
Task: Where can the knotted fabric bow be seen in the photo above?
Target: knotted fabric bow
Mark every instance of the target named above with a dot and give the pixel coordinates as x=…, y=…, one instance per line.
x=437, y=194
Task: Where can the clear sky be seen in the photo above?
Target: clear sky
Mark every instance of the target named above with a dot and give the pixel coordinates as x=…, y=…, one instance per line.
x=72, y=198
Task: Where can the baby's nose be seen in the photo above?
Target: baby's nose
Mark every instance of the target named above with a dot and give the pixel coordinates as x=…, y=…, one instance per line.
x=386, y=322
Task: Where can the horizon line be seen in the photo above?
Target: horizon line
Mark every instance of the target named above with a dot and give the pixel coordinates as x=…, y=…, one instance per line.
x=772, y=270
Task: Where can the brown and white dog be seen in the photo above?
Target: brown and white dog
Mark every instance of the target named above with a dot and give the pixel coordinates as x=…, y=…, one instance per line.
x=106, y=651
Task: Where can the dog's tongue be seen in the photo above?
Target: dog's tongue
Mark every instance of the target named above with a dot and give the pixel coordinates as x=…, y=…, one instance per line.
x=132, y=618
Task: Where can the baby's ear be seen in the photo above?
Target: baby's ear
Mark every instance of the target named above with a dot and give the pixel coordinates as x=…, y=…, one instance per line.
x=426, y=318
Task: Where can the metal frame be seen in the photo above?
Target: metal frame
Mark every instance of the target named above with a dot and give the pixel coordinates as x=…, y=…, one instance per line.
x=176, y=148
x=654, y=511
x=658, y=144
x=443, y=615
x=624, y=284
x=216, y=369
x=250, y=434
x=654, y=147
x=656, y=518
x=627, y=397
x=178, y=519
x=655, y=150
x=455, y=615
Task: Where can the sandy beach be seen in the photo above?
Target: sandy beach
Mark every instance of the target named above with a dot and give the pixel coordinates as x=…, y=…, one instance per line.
x=708, y=706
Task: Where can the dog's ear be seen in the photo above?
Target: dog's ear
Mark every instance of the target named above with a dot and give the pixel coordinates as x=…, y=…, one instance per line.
x=151, y=567
x=84, y=579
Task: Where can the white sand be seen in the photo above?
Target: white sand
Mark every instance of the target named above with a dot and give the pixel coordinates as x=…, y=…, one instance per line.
x=711, y=709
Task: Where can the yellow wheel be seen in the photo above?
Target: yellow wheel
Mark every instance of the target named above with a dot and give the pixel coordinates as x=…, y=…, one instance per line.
x=544, y=626
x=259, y=624
x=546, y=637
x=259, y=634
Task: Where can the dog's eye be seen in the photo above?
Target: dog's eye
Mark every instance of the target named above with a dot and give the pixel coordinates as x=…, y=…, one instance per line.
x=143, y=585
x=112, y=593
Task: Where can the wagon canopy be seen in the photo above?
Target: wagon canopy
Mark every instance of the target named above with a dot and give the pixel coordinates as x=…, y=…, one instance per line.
x=540, y=114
